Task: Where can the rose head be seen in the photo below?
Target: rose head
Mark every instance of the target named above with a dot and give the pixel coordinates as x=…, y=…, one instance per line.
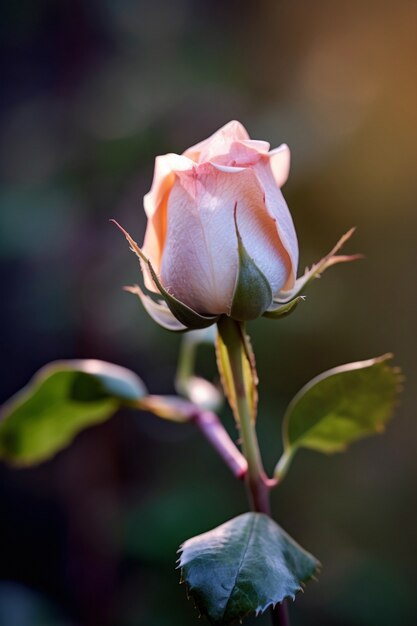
x=200, y=201
x=220, y=239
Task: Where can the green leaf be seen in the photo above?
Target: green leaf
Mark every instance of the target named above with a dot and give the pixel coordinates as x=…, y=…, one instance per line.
x=252, y=295
x=243, y=566
x=340, y=406
x=62, y=399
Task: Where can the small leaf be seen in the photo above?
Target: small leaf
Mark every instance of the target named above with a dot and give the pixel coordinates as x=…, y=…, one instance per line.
x=243, y=566
x=62, y=399
x=252, y=294
x=189, y=318
x=340, y=406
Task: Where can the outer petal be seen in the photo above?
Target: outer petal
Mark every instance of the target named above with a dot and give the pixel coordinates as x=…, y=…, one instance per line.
x=279, y=161
x=155, y=203
x=200, y=259
x=218, y=143
x=260, y=236
x=278, y=209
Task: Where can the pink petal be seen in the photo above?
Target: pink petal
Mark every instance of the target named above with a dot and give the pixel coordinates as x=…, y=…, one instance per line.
x=278, y=210
x=155, y=203
x=256, y=144
x=279, y=161
x=243, y=153
x=218, y=143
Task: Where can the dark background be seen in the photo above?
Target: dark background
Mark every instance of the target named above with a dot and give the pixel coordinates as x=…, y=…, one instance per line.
x=91, y=93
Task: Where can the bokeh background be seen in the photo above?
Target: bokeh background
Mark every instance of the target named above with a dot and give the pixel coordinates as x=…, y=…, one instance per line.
x=92, y=92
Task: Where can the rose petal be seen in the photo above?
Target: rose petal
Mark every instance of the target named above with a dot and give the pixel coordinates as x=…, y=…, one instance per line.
x=227, y=168
x=279, y=161
x=256, y=144
x=242, y=153
x=278, y=209
x=155, y=203
x=218, y=143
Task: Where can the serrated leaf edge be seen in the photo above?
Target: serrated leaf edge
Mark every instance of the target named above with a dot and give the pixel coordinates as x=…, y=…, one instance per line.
x=260, y=609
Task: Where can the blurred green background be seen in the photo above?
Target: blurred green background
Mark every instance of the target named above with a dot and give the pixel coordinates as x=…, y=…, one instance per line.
x=92, y=92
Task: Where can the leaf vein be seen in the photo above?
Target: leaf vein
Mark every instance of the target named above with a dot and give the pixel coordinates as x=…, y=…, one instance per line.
x=254, y=520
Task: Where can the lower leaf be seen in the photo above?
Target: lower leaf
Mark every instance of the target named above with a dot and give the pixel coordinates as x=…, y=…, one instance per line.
x=243, y=566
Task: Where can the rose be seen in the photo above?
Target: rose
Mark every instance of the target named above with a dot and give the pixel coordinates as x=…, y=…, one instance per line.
x=220, y=239
x=199, y=203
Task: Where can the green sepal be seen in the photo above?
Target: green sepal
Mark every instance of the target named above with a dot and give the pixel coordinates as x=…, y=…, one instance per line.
x=278, y=311
x=332, y=258
x=62, y=399
x=339, y=407
x=189, y=318
x=242, y=567
x=159, y=311
x=252, y=294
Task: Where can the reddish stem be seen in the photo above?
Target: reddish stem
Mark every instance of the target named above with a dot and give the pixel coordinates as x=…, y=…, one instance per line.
x=214, y=431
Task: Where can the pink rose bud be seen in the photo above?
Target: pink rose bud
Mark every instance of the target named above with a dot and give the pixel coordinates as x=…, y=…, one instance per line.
x=220, y=239
x=206, y=208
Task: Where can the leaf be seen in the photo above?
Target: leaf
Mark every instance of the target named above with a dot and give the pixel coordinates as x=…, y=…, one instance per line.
x=252, y=294
x=62, y=399
x=340, y=406
x=189, y=318
x=243, y=566
x=231, y=332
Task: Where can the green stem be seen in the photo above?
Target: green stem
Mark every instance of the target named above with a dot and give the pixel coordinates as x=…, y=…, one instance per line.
x=232, y=335
x=283, y=464
x=185, y=367
x=257, y=484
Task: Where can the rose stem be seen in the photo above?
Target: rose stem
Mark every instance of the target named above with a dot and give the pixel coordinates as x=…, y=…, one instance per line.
x=257, y=483
x=280, y=615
